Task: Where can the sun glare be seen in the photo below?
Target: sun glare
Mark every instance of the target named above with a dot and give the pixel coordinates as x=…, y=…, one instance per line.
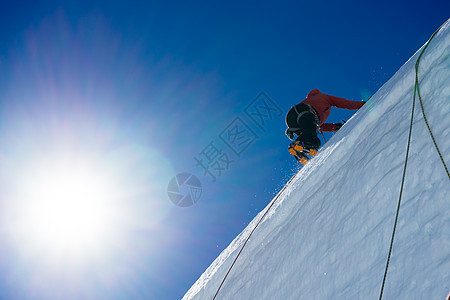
x=68, y=208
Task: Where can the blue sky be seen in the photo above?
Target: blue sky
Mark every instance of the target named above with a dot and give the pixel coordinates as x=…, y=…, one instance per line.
x=146, y=88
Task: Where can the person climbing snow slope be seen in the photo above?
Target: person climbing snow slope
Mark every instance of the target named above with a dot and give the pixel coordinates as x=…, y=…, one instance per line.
x=308, y=117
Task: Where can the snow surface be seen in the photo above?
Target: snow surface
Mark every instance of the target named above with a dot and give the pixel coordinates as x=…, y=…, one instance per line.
x=327, y=236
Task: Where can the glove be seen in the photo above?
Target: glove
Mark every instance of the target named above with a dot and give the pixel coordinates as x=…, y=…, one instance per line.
x=338, y=126
x=289, y=134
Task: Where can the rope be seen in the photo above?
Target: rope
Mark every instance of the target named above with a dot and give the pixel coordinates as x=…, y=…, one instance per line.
x=416, y=89
x=247, y=239
x=421, y=105
x=399, y=200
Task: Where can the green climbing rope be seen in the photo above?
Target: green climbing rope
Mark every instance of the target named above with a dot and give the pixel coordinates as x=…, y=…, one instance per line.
x=416, y=90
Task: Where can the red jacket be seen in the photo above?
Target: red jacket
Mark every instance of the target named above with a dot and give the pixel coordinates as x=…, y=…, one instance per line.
x=322, y=103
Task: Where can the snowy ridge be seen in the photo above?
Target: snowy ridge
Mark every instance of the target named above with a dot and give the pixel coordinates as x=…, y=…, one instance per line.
x=328, y=234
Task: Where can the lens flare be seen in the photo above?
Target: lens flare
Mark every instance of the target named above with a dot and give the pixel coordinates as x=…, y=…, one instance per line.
x=66, y=207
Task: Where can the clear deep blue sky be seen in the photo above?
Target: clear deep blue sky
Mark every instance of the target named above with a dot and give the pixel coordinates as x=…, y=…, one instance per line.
x=159, y=84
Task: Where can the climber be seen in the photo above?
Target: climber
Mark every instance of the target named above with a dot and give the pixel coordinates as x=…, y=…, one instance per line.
x=309, y=116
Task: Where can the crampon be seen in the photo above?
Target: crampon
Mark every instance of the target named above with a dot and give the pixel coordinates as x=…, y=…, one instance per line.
x=301, y=153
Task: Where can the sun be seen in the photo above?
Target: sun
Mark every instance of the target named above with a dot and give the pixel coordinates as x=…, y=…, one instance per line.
x=67, y=206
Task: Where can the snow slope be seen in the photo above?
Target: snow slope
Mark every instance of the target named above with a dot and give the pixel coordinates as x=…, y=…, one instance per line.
x=327, y=236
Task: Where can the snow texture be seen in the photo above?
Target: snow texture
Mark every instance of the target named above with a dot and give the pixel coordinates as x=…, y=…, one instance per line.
x=327, y=235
